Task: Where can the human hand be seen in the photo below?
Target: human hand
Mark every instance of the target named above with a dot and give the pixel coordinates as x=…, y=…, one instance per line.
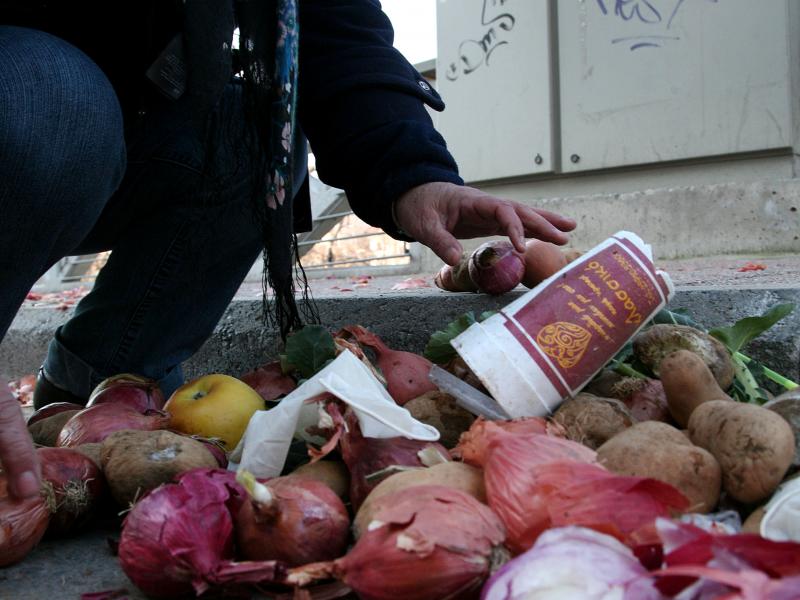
x=17, y=454
x=438, y=213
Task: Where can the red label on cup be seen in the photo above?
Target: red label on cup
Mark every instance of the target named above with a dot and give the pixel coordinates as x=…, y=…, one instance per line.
x=579, y=321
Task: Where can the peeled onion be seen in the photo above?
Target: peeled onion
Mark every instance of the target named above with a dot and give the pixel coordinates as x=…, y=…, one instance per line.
x=292, y=519
x=22, y=524
x=432, y=543
x=496, y=267
x=406, y=373
x=73, y=487
x=96, y=423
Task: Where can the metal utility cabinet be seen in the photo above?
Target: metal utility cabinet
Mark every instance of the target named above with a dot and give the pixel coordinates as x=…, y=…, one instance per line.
x=534, y=86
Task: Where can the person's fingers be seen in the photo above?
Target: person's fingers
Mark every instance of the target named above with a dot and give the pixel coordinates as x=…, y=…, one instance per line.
x=560, y=221
x=443, y=244
x=538, y=226
x=511, y=224
x=17, y=453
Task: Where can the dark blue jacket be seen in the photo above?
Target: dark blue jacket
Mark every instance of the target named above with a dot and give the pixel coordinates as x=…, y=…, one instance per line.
x=361, y=104
x=362, y=108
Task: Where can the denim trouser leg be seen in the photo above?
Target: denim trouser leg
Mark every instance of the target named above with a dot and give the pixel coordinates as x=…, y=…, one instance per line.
x=62, y=155
x=180, y=250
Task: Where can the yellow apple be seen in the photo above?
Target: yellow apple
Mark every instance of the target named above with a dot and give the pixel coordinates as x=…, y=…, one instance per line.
x=215, y=405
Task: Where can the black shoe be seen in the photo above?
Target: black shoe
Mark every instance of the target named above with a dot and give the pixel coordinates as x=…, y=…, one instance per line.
x=46, y=393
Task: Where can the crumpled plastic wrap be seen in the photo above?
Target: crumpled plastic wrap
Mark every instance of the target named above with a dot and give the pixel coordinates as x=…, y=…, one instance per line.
x=265, y=444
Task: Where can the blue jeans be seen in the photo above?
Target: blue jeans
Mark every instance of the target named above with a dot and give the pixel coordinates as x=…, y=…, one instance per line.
x=72, y=182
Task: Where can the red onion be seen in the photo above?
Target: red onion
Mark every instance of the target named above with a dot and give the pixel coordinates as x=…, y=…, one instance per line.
x=22, y=524
x=473, y=444
x=73, y=485
x=52, y=409
x=140, y=393
x=406, y=373
x=496, y=267
x=292, y=519
x=512, y=488
x=96, y=423
x=432, y=543
x=367, y=457
x=573, y=562
x=269, y=381
x=178, y=539
x=645, y=398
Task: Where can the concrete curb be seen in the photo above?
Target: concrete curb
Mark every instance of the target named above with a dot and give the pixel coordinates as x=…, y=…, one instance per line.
x=405, y=320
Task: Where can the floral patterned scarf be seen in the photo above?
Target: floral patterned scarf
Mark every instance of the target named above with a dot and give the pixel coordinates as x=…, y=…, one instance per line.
x=269, y=56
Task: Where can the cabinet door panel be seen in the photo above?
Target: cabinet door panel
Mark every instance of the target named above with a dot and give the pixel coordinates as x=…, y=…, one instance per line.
x=493, y=71
x=645, y=81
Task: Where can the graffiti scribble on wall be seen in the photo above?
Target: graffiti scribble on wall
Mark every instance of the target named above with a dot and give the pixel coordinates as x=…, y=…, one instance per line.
x=496, y=22
x=653, y=17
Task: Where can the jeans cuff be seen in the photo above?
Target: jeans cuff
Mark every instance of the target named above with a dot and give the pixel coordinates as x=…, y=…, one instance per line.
x=68, y=371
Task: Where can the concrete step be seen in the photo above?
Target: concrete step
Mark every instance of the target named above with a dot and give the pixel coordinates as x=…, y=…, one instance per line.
x=406, y=319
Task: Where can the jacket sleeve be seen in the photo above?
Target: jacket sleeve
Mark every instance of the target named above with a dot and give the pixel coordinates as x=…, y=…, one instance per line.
x=362, y=107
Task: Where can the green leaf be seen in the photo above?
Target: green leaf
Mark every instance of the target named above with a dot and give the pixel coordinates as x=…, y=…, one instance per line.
x=679, y=316
x=310, y=349
x=745, y=387
x=744, y=330
x=439, y=350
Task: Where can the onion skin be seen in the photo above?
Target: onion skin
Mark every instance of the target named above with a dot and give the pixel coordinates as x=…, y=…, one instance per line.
x=178, y=539
x=496, y=267
x=269, y=381
x=22, y=524
x=406, y=373
x=52, y=409
x=365, y=456
x=139, y=393
x=473, y=445
x=96, y=423
x=76, y=486
x=433, y=543
x=303, y=522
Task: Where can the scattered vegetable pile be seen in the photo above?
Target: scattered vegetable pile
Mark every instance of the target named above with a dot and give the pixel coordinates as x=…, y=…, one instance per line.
x=636, y=488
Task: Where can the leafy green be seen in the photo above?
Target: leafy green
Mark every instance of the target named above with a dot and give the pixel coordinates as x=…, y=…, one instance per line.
x=750, y=375
x=745, y=387
x=438, y=349
x=679, y=316
x=738, y=335
x=309, y=350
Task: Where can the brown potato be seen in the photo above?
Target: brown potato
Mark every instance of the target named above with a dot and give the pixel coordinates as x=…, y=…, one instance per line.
x=332, y=473
x=688, y=383
x=657, y=450
x=787, y=405
x=135, y=462
x=441, y=411
x=45, y=431
x=653, y=344
x=591, y=420
x=451, y=474
x=753, y=445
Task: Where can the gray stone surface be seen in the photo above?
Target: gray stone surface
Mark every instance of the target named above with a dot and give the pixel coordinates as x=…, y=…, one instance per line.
x=405, y=321
x=66, y=568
